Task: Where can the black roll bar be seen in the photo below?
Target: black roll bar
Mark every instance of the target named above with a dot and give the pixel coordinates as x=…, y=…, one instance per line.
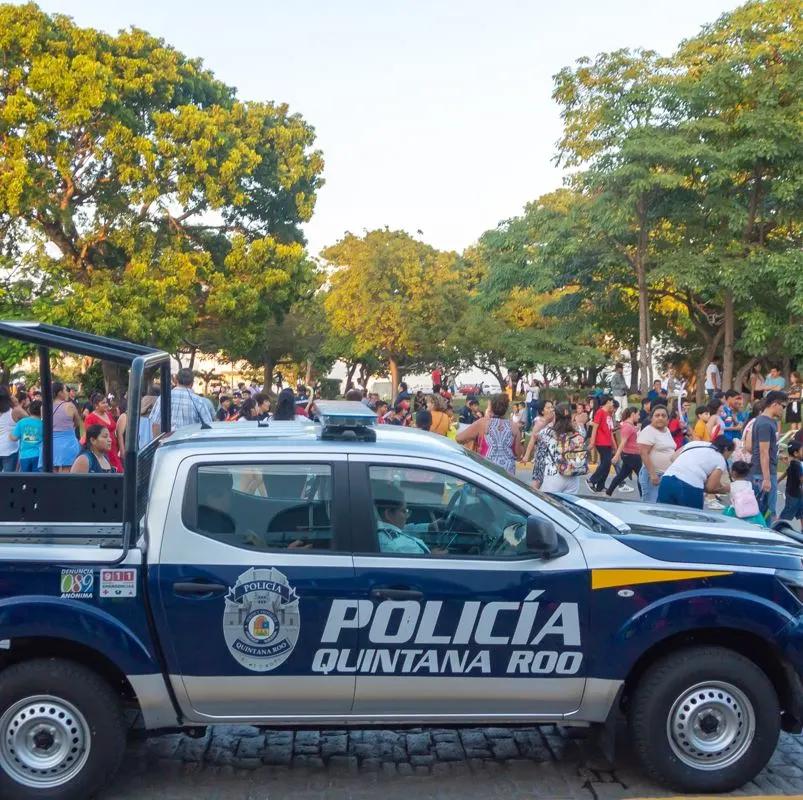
x=139, y=358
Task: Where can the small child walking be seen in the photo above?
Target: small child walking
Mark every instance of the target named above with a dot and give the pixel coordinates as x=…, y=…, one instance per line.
x=28, y=432
x=793, y=508
x=743, y=503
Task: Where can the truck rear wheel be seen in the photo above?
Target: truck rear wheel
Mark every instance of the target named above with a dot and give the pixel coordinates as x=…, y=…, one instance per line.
x=704, y=719
x=62, y=732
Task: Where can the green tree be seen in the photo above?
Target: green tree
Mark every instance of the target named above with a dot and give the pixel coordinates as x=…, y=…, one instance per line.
x=739, y=88
x=144, y=175
x=393, y=295
x=614, y=111
x=249, y=302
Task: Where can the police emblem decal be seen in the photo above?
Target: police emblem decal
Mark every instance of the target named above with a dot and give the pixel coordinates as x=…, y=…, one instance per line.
x=261, y=622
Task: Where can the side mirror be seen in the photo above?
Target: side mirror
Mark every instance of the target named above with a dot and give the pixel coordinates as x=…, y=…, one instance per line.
x=542, y=539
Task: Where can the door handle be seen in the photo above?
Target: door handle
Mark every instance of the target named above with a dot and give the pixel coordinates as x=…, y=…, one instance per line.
x=395, y=593
x=199, y=588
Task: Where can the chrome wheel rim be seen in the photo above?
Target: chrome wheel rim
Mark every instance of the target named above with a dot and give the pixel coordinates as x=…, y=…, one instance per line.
x=45, y=741
x=711, y=725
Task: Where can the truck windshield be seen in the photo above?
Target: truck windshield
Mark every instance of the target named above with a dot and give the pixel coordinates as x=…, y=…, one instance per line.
x=583, y=516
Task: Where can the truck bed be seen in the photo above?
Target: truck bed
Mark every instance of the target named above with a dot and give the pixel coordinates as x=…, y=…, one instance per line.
x=86, y=534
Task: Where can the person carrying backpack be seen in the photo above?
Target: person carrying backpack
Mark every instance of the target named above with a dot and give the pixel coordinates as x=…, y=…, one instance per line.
x=566, y=454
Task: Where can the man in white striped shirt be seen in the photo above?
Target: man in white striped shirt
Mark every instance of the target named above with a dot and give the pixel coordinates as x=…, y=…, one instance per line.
x=186, y=407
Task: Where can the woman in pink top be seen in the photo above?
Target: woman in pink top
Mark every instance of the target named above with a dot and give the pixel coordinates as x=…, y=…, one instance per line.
x=627, y=455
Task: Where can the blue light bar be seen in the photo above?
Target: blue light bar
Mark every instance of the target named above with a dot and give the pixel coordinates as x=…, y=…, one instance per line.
x=346, y=420
x=345, y=413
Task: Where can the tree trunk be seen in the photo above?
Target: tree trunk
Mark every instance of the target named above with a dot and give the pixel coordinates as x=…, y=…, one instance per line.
x=114, y=378
x=730, y=335
x=395, y=374
x=365, y=376
x=308, y=376
x=268, y=367
x=634, y=371
x=351, y=368
x=193, y=352
x=786, y=367
x=645, y=356
x=741, y=375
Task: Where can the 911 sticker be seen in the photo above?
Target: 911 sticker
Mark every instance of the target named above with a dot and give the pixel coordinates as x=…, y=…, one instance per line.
x=77, y=584
x=118, y=583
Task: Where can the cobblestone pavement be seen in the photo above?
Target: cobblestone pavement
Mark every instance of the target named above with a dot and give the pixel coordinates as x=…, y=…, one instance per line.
x=243, y=763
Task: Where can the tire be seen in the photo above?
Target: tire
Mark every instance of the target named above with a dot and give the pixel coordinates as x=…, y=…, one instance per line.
x=691, y=718
x=79, y=721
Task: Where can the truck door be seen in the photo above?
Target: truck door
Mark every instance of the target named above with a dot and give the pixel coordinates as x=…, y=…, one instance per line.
x=251, y=557
x=454, y=619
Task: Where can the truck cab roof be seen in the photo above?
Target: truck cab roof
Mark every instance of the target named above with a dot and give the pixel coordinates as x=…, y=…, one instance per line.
x=307, y=434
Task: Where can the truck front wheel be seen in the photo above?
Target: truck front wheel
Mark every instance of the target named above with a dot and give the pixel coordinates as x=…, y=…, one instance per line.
x=62, y=732
x=704, y=719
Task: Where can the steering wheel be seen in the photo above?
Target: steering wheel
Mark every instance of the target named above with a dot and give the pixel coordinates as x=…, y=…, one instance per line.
x=456, y=504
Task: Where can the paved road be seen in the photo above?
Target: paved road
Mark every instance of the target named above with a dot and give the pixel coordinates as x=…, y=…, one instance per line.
x=484, y=764
x=242, y=763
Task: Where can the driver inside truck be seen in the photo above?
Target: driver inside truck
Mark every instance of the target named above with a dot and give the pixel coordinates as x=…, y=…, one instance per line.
x=394, y=533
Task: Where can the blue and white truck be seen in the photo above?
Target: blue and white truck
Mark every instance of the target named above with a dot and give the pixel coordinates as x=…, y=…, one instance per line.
x=340, y=574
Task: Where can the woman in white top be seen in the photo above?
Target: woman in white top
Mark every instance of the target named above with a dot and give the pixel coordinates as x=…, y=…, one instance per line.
x=656, y=447
x=9, y=414
x=696, y=469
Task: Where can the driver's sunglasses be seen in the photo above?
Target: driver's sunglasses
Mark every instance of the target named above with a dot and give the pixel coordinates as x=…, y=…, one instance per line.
x=404, y=510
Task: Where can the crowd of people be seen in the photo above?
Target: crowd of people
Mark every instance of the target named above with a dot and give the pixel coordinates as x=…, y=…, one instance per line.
x=90, y=436
x=679, y=455
x=734, y=443
x=87, y=437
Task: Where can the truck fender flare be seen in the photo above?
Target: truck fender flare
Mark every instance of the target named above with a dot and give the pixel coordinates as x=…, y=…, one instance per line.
x=687, y=612
x=38, y=616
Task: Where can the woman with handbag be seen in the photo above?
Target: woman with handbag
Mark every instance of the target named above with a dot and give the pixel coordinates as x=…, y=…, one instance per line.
x=563, y=452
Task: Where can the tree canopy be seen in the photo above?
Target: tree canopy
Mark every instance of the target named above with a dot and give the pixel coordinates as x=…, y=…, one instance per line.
x=138, y=183
x=141, y=197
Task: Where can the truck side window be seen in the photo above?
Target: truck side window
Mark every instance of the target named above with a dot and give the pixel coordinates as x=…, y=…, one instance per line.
x=424, y=512
x=263, y=506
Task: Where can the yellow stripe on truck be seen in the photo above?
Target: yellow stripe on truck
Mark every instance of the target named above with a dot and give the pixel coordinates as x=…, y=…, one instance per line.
x=610, y=578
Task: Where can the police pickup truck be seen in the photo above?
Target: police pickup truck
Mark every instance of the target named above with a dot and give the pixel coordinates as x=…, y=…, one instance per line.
x=339, y=573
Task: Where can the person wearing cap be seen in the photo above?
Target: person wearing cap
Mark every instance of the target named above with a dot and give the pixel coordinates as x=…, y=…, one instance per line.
x=394, y=533
x=764, y=453
x=696, y=468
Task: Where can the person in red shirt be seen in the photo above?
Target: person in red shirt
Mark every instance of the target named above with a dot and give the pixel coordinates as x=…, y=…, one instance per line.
x=436, y=380
x=677, y=429
x=381, y=411
x=602, y=439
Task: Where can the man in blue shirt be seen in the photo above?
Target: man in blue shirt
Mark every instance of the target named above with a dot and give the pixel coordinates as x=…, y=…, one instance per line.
x=657, y=392
x=728, y=415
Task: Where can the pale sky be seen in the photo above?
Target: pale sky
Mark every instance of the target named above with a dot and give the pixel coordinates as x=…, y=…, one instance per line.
x=431, y=114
